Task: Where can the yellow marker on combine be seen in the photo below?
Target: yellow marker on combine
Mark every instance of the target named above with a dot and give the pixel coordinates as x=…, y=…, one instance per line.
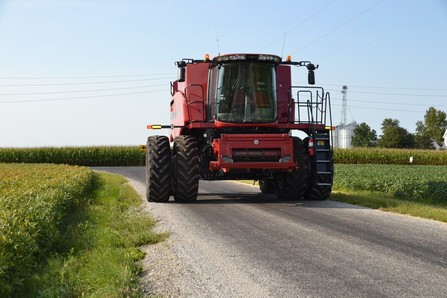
x=155, y=126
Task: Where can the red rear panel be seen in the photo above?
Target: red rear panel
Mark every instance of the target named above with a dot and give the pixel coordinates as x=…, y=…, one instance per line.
x=283, y=83
x=196, y=85
x=253, y=151
x=188, y=103
x=178, y=113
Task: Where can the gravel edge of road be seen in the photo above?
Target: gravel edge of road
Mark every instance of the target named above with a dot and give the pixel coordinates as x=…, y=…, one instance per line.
x=188, y=267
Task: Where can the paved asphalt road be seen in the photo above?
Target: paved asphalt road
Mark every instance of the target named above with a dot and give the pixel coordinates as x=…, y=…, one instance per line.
x=235, y=242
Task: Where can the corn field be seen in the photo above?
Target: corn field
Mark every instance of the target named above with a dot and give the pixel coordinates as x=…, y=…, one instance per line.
x=81, y=156
x=390, y=156
x=34, y=199
x=132, y=156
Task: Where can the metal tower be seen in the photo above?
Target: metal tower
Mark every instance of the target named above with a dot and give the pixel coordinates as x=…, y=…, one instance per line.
x=344, y=107
x=445, y=139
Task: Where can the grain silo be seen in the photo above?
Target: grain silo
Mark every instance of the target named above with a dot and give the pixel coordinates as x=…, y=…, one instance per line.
x=342, y=136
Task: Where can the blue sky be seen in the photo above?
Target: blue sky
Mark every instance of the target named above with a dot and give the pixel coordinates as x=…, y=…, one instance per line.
x=95, y=72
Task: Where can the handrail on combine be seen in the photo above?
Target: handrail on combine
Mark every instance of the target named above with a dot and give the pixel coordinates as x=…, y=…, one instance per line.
x=314, y=101
x=190, y=103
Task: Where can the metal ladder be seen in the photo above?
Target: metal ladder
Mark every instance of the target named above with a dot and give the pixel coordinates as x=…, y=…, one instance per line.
x=323, y=159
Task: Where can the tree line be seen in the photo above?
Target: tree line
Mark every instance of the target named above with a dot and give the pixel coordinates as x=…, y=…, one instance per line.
x=429, y=133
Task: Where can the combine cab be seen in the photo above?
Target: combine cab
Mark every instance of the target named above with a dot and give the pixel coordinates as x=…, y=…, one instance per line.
x=233, y=117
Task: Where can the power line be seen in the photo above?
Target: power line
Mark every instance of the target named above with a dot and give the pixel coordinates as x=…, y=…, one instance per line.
x=311, y=17
x=299, y=25
x=375, y=87
x=392, y=103
x=379, y=109
x=77, y=98
x=390, y=88
x=80, y=91
x=395, y=94
x=86, y=77
x=398, y=103
x=81, y=83
x=339, y=26
x=382, y=109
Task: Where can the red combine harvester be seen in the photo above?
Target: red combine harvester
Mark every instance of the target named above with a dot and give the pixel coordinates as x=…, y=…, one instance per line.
x=232, y=117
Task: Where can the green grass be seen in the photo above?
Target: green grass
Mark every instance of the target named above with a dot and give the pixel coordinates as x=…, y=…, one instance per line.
x=100, y=253
x=381, y=201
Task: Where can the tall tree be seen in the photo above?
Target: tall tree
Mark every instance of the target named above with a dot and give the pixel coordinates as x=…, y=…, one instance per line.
x=395, y=136
x=431, y=129
x=388, y=122
x=364, y=136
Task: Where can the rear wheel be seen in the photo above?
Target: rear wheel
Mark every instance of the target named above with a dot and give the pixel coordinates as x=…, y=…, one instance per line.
x=267, y=186
x=320, y=188
x=319, y=192
x=293, y=185
x=158, y=172
x=186, y=169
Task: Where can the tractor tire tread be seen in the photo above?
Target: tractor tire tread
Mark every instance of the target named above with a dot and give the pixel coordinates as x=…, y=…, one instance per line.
x=158, y=172
x=186, y=182
x=294, y=184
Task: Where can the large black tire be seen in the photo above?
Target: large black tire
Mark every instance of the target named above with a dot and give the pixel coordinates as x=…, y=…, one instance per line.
x=186, y=169
x=158, y=169
x=267, y=186
x=319, y=192
x=293, y=185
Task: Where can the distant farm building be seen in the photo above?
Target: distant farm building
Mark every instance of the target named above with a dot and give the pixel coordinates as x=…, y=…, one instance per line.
x=342, y=135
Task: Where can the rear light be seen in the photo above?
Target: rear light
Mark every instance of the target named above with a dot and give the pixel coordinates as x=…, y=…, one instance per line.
x=286, y=159
x=311, y=147
x=227, y=159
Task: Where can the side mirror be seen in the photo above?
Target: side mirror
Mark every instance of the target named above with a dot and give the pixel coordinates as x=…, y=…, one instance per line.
x=181, y=74
x=311, y=74
x=311, y=77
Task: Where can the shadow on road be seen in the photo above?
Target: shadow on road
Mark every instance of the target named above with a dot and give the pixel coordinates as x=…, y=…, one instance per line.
x=258, y=198
x=236, y=198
